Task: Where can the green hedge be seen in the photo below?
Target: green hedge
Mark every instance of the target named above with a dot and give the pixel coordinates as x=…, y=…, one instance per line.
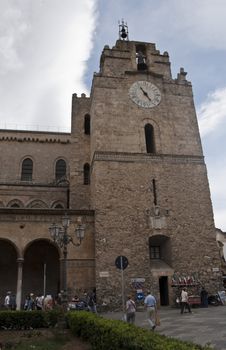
x=28, y=319
x=107, y=334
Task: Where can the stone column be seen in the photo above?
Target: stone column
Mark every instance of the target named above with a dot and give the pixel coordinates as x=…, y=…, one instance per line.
x=19, y=282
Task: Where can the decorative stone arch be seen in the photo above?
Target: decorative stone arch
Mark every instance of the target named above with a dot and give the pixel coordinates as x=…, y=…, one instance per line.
x=2, y=204
x=58, y=205
x=41, y=269
x=9, y=254
x=37, y=203
x=15, y=203
x=157, y=135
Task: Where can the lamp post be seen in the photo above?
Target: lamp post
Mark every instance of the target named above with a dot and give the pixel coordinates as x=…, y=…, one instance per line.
x=60, y=236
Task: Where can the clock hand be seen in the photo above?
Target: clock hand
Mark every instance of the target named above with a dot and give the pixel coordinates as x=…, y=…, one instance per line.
x=145, y=93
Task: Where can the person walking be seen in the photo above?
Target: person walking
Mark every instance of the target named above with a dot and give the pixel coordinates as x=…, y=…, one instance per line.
x=7, y=302
x=39, y=302
x=12, y=302
x=204, y=297
x=151, y=306
x=31, y=302
x=184, y=301
x=130, y=310
x=48, y=302
x=91, y=301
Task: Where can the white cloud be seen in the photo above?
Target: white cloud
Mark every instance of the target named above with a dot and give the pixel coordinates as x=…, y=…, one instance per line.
x=219, y=218
x=217, y=175
x=44, y=48
x=13, y=28
x=212, y=123
x=201, y=22
x=212, y=112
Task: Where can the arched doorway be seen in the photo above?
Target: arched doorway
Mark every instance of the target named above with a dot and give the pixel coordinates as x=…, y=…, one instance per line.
x=41, y=272
x=8, y=268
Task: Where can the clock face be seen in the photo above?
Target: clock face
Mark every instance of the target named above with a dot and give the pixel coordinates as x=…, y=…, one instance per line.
x=145, y=94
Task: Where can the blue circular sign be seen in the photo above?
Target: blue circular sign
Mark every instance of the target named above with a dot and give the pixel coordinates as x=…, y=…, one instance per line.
x=121, y=262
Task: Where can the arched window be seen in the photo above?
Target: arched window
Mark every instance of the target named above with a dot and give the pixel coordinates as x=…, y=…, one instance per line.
x=86, y=172
x=149, y=137
x=59, y=206
x=141, y=57
x=27, y=170
x=87, y=124
x=61, y=169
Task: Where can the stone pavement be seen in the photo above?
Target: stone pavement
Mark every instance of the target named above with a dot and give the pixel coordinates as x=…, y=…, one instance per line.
x=203, y=326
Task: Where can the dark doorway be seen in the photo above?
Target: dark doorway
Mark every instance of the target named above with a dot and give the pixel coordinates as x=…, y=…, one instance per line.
x=8, y=269
x=163, y=289
x=41, y=268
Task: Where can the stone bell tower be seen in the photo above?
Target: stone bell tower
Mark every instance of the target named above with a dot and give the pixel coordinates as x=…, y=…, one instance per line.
x=149, y=185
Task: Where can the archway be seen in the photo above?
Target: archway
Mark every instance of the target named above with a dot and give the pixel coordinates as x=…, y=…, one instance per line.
x=41, y=272
x=8, y=268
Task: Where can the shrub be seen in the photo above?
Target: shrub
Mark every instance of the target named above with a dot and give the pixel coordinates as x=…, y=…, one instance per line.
x=111, y=334
x=28, y=319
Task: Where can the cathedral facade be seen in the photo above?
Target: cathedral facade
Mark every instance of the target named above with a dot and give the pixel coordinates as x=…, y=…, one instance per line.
x=132, y=171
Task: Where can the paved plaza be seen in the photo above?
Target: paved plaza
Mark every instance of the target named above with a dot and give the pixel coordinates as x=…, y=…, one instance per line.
x=203, y=326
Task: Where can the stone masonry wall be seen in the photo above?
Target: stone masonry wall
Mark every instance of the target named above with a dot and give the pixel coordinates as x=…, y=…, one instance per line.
x=123, y=198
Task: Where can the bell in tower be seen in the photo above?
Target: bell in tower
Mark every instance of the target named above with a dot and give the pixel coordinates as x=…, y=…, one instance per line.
x=123, y=31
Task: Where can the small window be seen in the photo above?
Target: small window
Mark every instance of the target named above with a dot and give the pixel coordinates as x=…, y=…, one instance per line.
x=155, y=252
x=87, y=124
x=60, y=169
x=86, y=171
x=27, y=170
x=149, y=138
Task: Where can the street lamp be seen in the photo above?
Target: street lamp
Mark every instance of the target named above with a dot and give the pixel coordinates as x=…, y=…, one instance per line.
x=60, y=236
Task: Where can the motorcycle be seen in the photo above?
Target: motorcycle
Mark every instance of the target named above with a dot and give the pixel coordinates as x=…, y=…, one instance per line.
x=214, y=300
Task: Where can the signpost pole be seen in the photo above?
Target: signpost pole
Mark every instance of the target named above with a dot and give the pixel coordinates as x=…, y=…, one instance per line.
x=123, y=292
x=121, y=262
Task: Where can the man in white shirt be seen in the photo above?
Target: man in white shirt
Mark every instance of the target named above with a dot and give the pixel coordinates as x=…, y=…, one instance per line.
x=151, y=305
x=184, y=301
x=7, y=300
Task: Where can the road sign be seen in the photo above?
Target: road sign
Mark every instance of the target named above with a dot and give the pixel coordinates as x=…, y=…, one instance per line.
x=121, y=262
x=139, y=295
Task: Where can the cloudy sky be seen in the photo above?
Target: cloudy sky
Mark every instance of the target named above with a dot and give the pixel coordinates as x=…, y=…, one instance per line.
x=49, y=49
